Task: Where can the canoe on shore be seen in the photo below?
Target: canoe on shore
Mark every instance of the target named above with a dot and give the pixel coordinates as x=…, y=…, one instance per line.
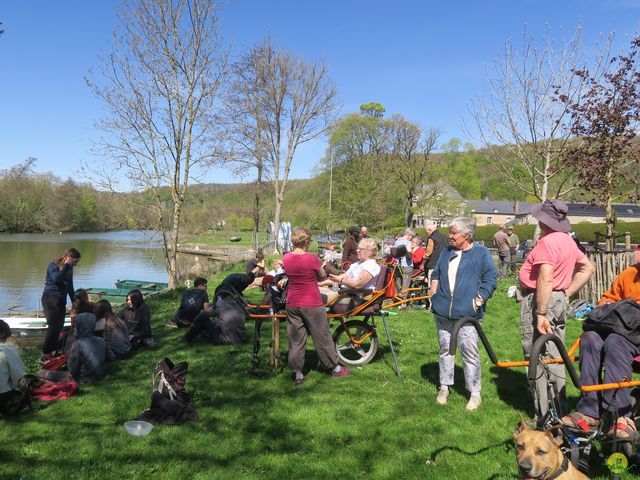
x=29, y=326
x=141, y=285
x=119, y=294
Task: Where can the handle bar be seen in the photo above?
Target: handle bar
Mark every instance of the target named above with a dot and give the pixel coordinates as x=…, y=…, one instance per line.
x=476, y=324
x=536, y=349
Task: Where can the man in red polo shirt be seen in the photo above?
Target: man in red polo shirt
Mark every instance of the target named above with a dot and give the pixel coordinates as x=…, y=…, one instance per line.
x=553, y=271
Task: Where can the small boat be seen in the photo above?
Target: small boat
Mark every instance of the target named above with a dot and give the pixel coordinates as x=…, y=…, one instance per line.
x=29, y=327
x=119, y=295
x=141, y=285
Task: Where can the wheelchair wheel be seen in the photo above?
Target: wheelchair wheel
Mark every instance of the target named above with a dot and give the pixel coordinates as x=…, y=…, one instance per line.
x=356, y=344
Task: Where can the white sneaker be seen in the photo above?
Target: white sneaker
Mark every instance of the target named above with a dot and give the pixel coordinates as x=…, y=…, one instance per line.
x=443, y=395
x=474, y=403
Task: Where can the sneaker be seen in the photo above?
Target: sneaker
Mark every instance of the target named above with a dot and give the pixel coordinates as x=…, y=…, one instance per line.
x=45, y=358
x=300, y=381
x=344, y=372
x=474, y=403
x=443, y=396
x=170, y=324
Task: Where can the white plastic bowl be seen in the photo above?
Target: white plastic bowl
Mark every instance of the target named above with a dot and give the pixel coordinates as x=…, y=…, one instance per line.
x=138, y=428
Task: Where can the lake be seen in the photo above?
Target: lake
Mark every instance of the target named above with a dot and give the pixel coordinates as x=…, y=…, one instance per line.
x=106, y=257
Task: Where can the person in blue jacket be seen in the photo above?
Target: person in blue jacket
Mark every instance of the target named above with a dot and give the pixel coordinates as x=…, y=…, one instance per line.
x=57, y=286
x=462, y=281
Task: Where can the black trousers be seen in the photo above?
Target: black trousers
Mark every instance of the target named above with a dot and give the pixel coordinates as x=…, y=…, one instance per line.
x=54, y=310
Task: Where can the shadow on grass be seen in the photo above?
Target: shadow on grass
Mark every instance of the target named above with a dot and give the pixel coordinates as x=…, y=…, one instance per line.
x=431, y=373
x=512, y=388
x=506, y=445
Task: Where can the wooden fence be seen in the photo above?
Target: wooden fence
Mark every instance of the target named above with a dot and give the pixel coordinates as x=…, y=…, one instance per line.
x=608, y=265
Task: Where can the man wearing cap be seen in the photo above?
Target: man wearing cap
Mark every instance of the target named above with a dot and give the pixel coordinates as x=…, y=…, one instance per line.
x=553, y=271
x=501, y=242
x=514, y=245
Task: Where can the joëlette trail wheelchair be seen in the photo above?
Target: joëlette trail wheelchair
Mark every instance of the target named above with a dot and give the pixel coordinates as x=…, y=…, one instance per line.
x=577, y=444
x=355, y=337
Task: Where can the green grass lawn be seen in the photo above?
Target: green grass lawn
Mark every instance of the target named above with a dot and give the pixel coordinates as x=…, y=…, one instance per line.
x=370, y=425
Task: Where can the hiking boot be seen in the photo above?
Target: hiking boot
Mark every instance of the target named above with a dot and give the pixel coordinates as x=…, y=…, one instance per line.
x=170, y=324
x=443, y=396
x=343, y=372
x=474, y=403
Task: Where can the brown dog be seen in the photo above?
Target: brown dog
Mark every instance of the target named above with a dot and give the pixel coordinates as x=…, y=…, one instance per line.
x=539, y=456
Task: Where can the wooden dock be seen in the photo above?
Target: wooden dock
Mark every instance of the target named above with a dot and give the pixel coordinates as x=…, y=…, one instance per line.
x=227, y=254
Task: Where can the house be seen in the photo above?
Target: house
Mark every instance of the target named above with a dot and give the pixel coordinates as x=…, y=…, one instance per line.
x=494, y=212
x=586, y=212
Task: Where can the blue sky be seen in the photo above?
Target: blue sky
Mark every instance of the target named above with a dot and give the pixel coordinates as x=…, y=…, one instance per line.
x=422, y=59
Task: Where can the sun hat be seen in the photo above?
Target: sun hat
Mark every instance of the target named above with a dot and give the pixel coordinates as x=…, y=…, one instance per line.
x=553, y=213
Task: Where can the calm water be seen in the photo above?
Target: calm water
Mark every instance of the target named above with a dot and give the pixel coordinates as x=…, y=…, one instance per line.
x=106, y=257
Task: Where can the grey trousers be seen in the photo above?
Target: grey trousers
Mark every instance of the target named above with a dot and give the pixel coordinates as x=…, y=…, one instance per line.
x=406, y=281
x=553, y=375
x=468, y=344
x=312, y=320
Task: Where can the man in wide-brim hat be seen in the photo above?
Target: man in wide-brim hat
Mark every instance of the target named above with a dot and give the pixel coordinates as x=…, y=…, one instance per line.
x=553, y=271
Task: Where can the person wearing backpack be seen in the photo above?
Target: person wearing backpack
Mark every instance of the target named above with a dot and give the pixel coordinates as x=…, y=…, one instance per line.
x=230, y=309
x=193, y=302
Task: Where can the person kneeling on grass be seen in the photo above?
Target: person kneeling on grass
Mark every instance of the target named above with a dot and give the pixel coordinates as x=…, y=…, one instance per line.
x=608, y=355
x=230, y=309
x=193, y=302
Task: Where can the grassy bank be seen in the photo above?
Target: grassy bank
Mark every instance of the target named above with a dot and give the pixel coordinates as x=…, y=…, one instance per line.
x=371, y=425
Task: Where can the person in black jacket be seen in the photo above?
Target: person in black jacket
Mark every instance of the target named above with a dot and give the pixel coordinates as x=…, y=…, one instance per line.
x=193, y=302
x=436, y=242
x=57, y=286
x=229, y=309
x=137, y=318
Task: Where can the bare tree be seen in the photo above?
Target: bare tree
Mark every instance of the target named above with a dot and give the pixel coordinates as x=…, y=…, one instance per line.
x=410, y=159
x=289, y=102
x=519, y=121
x=160, y=86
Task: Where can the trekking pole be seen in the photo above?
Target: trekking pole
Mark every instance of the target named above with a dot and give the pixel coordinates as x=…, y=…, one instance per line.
x=384, y=315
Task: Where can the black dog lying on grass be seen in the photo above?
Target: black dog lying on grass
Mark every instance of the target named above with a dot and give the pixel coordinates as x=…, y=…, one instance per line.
x=14, y=401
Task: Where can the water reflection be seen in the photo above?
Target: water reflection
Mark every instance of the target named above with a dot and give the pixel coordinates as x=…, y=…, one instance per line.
x=106, y=257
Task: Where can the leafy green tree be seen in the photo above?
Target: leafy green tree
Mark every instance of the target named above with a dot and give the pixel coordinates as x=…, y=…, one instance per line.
x=605, y=122
x=373, y=109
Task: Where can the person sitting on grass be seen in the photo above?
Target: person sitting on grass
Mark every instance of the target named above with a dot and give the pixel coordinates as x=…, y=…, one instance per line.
x=230, y=309
x=193, y=302
x=88, y=353
x=11, y=371
x=137, y=318
x=609, y=356
x=116, y=334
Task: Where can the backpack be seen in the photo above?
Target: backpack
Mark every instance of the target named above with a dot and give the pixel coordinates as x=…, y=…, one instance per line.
x=192, y=302
x=169, y=380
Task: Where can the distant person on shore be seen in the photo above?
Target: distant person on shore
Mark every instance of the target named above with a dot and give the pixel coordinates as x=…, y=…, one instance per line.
x=58, y=285
x=116, y=335
x=137, y=317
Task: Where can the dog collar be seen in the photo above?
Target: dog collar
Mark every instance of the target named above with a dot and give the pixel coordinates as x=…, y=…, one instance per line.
x=563, y=468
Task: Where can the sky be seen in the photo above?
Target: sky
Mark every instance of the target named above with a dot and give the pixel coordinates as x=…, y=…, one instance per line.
x=425, y=60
